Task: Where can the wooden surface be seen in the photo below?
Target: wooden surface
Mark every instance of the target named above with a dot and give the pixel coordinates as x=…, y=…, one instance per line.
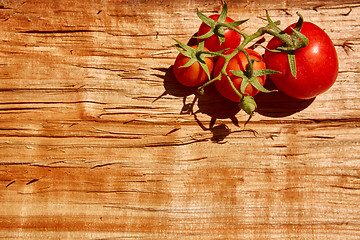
x=96, y=139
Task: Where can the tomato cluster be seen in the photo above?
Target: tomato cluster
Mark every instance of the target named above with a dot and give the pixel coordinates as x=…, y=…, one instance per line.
x=301, y=60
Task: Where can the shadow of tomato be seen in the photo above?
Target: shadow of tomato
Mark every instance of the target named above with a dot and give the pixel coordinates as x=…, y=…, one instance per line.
x=216, y=107
x=174, y=88
x=211, y=104
x=278, y=104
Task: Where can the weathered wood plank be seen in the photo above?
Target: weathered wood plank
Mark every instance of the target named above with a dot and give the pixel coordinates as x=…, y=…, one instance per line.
x=96, y=139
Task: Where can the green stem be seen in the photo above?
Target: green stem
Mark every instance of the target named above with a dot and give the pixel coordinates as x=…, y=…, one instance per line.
x=261, y=31
x=233, y=87
x=250, y=63
x=201, y=88
x=214, y=54
x=233, y=28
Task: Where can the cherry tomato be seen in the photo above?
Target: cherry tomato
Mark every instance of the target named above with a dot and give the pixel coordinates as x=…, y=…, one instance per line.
x=193, y=75
x=239, y=62
x=232, y=38
x=316, y=64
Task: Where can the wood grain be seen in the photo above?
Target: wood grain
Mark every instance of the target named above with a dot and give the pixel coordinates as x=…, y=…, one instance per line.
x=97, y=140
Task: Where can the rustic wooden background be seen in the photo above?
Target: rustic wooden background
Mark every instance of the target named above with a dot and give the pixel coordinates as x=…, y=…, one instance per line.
x=97, y=140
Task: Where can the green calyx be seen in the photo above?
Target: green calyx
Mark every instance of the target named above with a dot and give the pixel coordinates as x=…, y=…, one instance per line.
x=253, y=79
x=218, y=27
x=250, y=76
x=290, y=42
x=195, y=55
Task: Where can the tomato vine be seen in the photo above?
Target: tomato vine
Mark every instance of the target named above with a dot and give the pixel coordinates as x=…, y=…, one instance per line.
x=219, y=26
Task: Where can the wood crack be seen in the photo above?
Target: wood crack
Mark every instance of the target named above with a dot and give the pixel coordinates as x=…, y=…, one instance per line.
x=60, y=31
x=105, y=165
x=32, y=181
x=344, y=187
x=10, y=183
x=50, y=103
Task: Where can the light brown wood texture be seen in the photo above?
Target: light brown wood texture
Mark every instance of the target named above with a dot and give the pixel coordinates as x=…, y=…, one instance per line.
x=97, y=140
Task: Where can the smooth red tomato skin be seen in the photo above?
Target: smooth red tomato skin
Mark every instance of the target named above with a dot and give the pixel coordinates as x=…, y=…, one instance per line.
x=194, y=75
x=316, y=64
x=239, y=62
x=232, y=38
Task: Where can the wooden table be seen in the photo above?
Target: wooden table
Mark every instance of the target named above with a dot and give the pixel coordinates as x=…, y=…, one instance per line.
x=97, y=140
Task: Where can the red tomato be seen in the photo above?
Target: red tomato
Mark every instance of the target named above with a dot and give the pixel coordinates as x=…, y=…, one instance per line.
x=193, y=75
x=316, y=64
x=239, y=62
x=232, y=38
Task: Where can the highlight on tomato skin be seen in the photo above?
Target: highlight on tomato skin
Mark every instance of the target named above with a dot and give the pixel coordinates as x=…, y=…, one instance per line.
x=193, y=75
x=316, y=64
x=239, y=62
x=232, y=38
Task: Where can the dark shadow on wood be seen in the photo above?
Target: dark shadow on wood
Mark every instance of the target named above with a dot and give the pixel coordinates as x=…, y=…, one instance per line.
x=216, y=107
x=172, y=86
x=278, y=104
x=211, y=103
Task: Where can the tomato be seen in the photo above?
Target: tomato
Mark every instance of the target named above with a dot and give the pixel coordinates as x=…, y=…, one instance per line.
x=232, y=38
x=239, y=62
x=193, y=75
x=316, y=64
